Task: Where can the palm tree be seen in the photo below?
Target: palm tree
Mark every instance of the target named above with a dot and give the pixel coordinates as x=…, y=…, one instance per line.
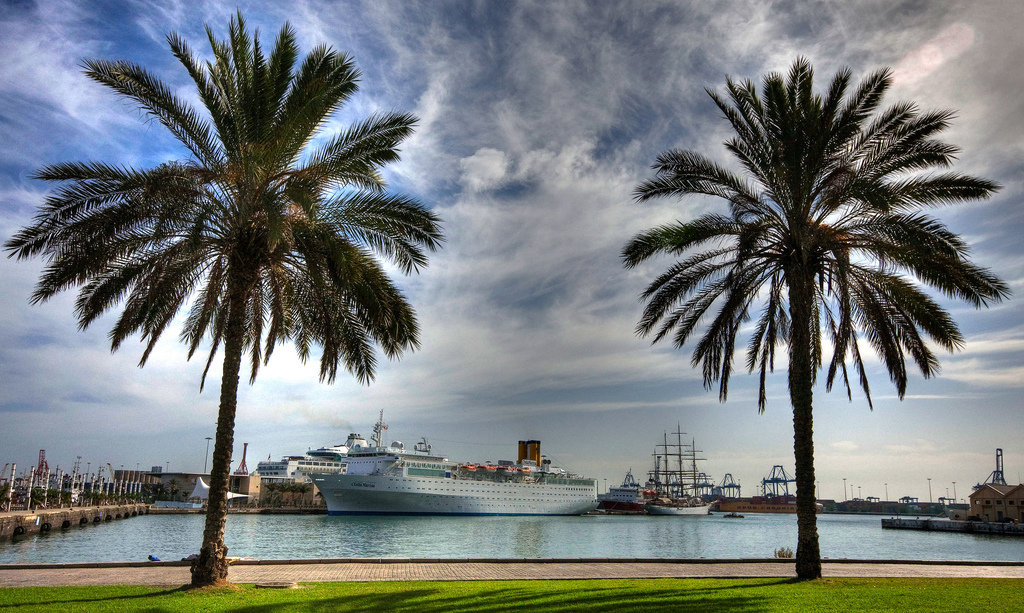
x=267, y=235
x=825, y=230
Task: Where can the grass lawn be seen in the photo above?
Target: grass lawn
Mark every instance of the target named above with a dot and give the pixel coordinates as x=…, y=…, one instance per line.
x=712, y=595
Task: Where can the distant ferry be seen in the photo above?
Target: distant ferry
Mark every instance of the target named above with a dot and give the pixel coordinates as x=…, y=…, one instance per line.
x=627, y=498
x=392, y=480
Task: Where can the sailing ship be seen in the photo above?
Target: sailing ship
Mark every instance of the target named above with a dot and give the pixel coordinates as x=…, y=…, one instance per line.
x=675, y=482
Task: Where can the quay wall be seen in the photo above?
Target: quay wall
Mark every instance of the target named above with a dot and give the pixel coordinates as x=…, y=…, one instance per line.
x=242, y=511
x=942, y=525
x=20, y=523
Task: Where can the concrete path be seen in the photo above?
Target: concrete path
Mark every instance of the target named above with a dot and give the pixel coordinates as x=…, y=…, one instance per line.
x=164, y=574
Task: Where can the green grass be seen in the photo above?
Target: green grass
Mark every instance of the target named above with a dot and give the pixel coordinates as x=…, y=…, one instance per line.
x=662, y=595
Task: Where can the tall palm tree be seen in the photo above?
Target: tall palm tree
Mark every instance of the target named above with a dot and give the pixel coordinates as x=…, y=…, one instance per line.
x=825, y=230
x=267, y=235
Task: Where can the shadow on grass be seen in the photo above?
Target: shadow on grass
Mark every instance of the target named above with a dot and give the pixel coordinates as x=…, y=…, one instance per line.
x=81, y=601
x=444, y=597
x=539, y=596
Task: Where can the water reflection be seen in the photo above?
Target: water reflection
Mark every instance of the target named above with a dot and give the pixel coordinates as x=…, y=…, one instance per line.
x=527, y=538
x=171, y=537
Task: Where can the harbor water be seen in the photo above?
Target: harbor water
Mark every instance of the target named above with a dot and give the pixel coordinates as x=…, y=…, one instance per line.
x=172, y=537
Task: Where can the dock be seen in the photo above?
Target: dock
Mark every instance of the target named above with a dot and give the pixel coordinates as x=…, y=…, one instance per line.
x=947, y=525
x=20, y=523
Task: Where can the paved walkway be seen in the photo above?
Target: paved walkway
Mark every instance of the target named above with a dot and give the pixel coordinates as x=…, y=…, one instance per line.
x=454, y=570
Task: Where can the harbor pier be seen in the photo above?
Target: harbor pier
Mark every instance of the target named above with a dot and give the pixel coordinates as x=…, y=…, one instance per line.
x=945, y=525
x=20, y=523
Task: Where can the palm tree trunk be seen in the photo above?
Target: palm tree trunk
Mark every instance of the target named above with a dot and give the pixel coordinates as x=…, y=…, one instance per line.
x=211, y=567
x=801, y=386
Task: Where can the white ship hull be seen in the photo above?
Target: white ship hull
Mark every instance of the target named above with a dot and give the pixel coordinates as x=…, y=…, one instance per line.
x=657, y=509
x=401, y=495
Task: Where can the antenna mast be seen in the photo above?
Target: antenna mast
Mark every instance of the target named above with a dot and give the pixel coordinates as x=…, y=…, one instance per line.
x=378, y=431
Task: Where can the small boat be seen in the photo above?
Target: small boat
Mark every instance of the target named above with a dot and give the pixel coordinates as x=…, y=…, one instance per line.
x=733, y=516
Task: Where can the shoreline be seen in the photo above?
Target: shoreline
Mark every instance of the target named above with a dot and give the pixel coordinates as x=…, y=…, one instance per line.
x=385, y=561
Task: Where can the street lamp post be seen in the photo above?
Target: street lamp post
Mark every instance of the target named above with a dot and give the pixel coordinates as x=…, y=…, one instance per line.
x=844, y=489
x=929, y=490
x=207, y=456
x=954, y=491
x=887, y=492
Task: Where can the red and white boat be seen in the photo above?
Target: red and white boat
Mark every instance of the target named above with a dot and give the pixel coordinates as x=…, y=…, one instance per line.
x=627, y=498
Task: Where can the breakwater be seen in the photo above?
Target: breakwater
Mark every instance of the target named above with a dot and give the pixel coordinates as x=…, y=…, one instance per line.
x=20, y=523
x=943, y=525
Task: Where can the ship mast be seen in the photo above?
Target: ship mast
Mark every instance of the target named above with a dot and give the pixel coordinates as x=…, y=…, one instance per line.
x=378, y=431
x=679, y=458
x=681, y=478
x=668, y=467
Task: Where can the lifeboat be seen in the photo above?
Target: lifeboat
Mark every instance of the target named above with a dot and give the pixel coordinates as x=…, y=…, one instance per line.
x=491, y=467
x=469, y=466
x=524, y=470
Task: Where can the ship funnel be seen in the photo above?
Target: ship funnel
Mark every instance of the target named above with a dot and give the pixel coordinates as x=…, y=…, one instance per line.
x=522, y=452
x=533, y=451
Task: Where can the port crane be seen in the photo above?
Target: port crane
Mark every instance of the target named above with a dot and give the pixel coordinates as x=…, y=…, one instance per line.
x=996, y=478
x=777, y=483
x=728, y=488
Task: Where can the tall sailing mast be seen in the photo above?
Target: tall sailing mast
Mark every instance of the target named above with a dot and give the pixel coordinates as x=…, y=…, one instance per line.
x=679, y=476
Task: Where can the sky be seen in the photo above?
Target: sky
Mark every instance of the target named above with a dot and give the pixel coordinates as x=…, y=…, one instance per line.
x=536, y=122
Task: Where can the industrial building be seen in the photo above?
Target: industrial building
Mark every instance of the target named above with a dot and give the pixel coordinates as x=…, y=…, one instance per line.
x=997, y=502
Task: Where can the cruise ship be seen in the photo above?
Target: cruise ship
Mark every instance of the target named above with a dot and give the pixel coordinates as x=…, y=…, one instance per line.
x=303, y=467
x=391, y=480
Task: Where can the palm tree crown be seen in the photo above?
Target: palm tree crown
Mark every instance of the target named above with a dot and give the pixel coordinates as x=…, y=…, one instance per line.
x=261, y=234
x=825, y=230
x=829, y=197
x=298, y=228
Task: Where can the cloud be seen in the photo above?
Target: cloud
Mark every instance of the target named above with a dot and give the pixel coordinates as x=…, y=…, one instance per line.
x=922, y=61
x=484, y=170
x=978, y=372
x=537, y=120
